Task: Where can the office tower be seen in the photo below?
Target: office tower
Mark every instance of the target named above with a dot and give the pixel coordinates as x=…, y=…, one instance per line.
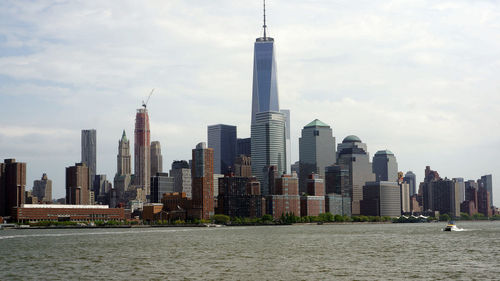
x=202, y=171
x=295, y=168
x=265, y=85
x=222, y=138
x=427, y=194
x=353, y=157
x=316, y=151
x=288, y=141
x=445, y=197
x=240, y=197
x=89, y=151
x=142, y=152
x=77, y=185
x=42, y=189
x=161, y=183
x=156, y=158
x=381, y=198
x=487, y=181
x=243, y=147
x=123, y=176
x=411, y=179
x=461, y=188
x=337, y=179
x=101, y=189
x=268, y=145
x=285, y=199
x=12, y=186
x=385, y=166
x=181, y=172
x=243, y=166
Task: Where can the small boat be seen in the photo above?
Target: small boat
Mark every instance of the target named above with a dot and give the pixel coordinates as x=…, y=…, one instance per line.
x=451, y=226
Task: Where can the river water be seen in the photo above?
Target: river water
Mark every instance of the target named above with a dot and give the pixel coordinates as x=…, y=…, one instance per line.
x=298, y=252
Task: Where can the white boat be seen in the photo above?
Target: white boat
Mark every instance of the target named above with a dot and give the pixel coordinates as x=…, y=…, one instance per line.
x=451, y=227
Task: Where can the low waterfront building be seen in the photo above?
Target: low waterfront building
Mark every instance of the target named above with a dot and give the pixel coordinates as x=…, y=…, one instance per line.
x=59, y=212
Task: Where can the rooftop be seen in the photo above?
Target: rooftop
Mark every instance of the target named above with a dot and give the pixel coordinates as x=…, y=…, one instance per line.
x=351, y=138
x=316, y=123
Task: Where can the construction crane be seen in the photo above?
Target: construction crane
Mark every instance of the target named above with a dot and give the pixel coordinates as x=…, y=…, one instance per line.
x=145, y=104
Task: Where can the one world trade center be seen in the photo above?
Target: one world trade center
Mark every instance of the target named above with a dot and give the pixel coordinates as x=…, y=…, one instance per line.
x=265, y=87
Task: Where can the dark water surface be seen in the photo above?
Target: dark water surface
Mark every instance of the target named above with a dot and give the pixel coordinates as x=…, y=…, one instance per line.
x=300, y=252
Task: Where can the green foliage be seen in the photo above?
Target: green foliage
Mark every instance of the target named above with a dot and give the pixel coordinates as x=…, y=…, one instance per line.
x=267, y=218
x=221, y=219
x=465, y=216
x=326, y=217
x=54, y=223
x=495, y=217
x=444, y=217
x=339, y=218
x=480, y=216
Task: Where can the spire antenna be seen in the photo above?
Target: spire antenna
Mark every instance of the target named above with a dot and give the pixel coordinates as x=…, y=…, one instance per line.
x=264, y=26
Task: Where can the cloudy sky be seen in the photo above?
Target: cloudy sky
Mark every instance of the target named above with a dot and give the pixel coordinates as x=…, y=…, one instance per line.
x=420, y=78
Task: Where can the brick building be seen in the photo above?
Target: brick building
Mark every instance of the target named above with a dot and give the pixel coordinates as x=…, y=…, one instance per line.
x=12, y=186
x=56, y=212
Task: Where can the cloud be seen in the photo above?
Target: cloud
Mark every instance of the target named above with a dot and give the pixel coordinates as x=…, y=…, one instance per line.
x=419, y=78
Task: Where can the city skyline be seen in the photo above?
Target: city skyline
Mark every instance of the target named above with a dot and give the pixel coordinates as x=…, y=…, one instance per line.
x=392, y=74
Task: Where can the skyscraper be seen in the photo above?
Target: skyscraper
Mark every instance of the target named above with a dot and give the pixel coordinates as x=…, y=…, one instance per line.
x=316, y=151
x=89, y=151
x=42, y=189
x=123, y=175
x=142, y=152
x=222, y=138
x=156, y=158
x=202, y=171
x=77, y=185
x=411, y=179
x=182, y=177
x=288, y=141
x=265, y=86
x=353, y=157
x=12, y=186
x=487, y=181
x=268, y=145
x=385, y=166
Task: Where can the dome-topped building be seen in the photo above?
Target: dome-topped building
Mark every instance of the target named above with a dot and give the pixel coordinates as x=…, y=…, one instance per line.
x=351, y=138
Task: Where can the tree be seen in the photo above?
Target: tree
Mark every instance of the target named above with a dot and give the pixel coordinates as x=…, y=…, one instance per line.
x=444, y=217
x=221, y=219
x=267, y=218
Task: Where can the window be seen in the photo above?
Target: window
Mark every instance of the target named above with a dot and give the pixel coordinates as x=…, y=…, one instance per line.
x=316, y=133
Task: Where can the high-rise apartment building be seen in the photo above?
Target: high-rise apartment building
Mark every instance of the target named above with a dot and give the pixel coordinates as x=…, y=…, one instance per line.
x=411, y=179
x=89, y=149
x=353, y=157
x=316, y=151
x=487, y=181
x=142, y=154
x=222, y=138
x=243, y=166
x=202, y=172
x=385, y=166
x=77, y=185
x=42, y=189
x=265, y=85
x=461, y=188
x=12, y=186
x=445, y=197
x=156, y=158
x=268, y=145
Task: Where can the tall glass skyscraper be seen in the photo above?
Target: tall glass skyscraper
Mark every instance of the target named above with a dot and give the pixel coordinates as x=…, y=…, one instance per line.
x=265, y=86
x=268, y=145
x=222, y=138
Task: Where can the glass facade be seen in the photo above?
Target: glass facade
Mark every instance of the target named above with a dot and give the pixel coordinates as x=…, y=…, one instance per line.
x=265, y=87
